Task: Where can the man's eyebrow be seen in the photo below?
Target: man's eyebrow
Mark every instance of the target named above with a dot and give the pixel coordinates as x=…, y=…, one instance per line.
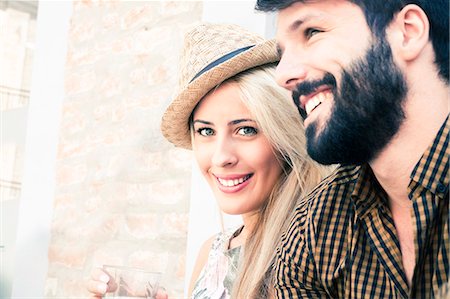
x=303, y=19
x=294, y=27
x=297, y=23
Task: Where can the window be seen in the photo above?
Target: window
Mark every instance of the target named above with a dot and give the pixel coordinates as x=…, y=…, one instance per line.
x=18, y=23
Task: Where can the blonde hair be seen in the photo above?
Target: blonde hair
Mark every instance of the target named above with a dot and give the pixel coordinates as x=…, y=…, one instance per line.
x=279, y=120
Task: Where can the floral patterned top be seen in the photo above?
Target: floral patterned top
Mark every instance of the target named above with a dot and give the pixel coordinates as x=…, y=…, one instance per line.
x=217, y=277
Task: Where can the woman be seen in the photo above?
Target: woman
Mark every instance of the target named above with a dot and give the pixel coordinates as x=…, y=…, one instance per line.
x=249, y=143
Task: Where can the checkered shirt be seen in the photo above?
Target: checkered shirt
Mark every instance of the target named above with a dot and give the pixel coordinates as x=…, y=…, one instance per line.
x=342, y=241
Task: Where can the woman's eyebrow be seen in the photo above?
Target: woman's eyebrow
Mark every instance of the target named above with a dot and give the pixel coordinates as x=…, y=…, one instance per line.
x=202, y=122
x=233, y=122
x=238, y=121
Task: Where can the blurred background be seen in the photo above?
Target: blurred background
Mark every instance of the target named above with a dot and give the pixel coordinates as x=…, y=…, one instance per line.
x=86, y=177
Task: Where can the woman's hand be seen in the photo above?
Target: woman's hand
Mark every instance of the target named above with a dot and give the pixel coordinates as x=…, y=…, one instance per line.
x=100, y=283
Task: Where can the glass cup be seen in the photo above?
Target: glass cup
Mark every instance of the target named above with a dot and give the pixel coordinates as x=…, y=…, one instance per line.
x=132, y=282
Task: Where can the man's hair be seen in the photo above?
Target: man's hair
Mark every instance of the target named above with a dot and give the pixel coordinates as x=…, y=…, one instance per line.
x=379, y=14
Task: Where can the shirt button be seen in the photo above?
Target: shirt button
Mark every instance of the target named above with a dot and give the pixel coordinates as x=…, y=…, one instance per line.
x=441, y=188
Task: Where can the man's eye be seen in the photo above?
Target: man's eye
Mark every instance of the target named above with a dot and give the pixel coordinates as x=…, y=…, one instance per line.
x=247, y=131
x=205, y=131
x=310, y=32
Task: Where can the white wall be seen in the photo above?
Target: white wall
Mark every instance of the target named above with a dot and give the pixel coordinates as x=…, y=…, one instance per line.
x=36, y=203
x=35, y=211
x=204, y=219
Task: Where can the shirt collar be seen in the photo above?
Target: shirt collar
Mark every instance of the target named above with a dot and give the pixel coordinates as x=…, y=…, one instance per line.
x=365, y=191
x=432, y=170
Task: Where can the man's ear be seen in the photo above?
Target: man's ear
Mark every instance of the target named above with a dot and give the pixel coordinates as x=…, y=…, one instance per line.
x=411, y=27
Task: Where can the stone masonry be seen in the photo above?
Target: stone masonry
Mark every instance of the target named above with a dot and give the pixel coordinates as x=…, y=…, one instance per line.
x=122, y=191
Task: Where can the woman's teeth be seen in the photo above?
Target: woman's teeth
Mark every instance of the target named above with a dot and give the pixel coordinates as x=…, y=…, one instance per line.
x=235, y=182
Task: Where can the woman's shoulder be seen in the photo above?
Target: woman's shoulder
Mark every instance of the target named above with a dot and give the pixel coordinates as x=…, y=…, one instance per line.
x=214, y=264
x=201, y=262
x=207, y=245
x=221, y=240
x=218, y=241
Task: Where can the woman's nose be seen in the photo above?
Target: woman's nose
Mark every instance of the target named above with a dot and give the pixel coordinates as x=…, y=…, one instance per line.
x=224, y=153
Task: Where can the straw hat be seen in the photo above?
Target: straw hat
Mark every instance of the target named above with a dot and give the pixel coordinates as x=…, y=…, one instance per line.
x=212, y=53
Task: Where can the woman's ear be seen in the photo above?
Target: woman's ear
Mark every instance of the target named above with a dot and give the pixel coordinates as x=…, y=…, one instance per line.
x=410, y=29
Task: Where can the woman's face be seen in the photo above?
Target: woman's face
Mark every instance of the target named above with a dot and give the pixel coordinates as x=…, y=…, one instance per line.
x=233, y=154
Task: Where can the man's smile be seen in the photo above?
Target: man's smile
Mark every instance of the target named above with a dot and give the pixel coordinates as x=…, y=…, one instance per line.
x=311, y=102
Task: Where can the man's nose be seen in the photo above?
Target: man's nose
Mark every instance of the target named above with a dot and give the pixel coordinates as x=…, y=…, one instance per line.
x=290, y=71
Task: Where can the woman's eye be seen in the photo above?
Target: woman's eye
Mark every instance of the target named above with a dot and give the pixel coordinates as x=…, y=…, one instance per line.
x=205, y=131
x=247, y=131
x=310, y=32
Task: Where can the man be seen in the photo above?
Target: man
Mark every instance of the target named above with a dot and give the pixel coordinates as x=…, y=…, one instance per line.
x=370, y=79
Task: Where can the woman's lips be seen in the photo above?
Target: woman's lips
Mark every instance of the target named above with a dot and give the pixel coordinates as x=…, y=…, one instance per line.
x=232, y=184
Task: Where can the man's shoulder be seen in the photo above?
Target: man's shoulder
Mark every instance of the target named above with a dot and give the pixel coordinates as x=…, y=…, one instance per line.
x=332, y=195
x=342, y=179
x=325, y=213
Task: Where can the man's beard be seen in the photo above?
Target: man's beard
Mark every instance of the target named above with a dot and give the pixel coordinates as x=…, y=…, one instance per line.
x=367, y=110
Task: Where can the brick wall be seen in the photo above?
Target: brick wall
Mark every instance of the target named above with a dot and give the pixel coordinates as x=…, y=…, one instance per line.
x=122, y=194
